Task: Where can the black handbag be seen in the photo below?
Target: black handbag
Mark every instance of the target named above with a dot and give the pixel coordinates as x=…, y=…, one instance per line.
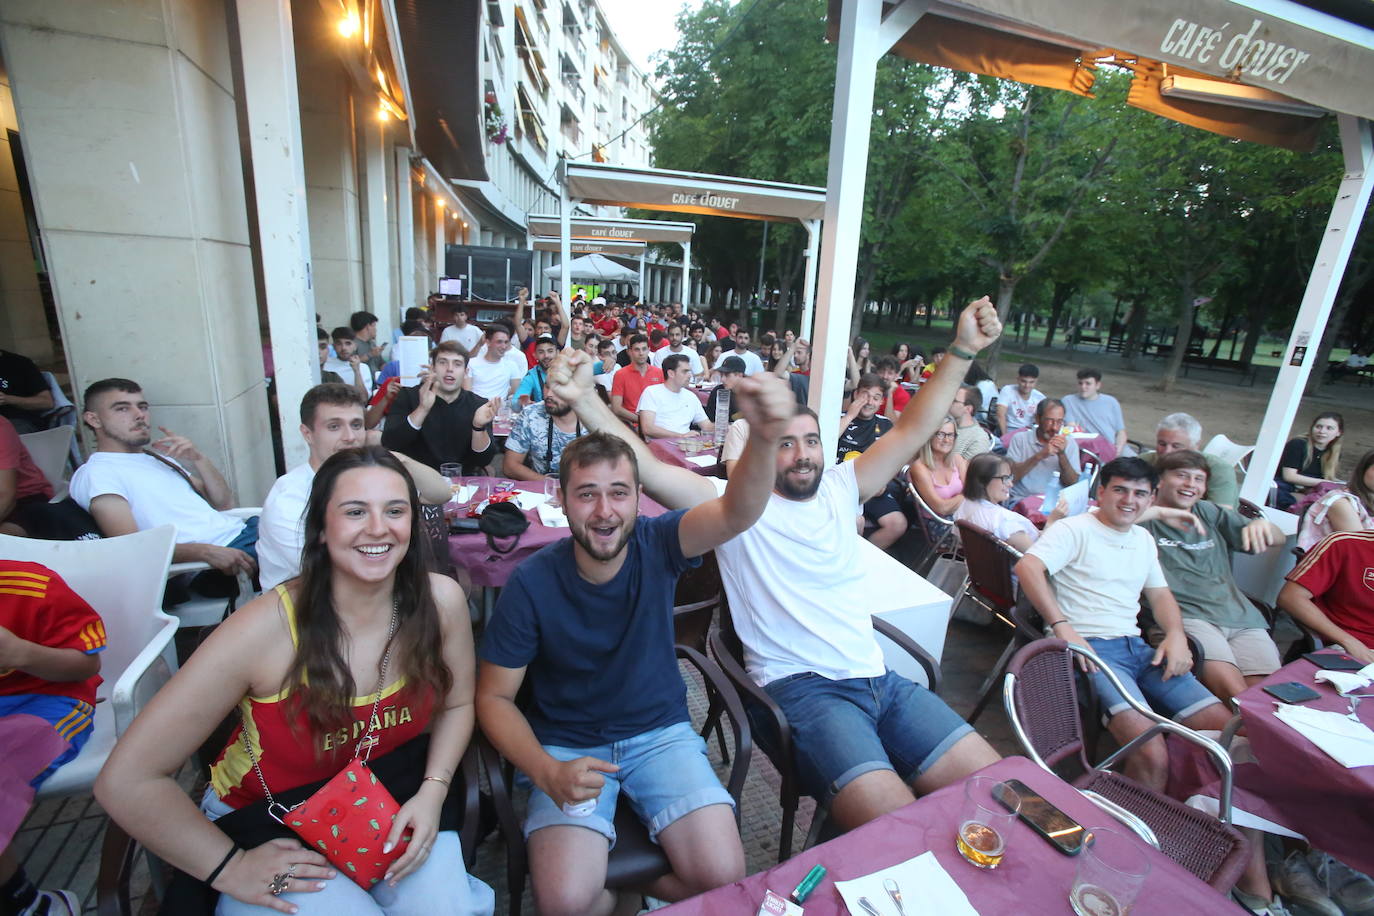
x=500, y=521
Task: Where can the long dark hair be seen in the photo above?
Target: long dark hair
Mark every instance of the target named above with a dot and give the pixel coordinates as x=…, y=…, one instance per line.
x=319, y=677
x=1357, y=484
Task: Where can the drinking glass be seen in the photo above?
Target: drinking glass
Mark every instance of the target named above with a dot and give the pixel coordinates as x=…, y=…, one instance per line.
x=984, y=823
x=551, y=490
x=1111, y=871
x=481, y=490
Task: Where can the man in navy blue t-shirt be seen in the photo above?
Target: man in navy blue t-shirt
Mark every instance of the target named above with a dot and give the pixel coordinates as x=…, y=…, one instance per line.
x=589, y=621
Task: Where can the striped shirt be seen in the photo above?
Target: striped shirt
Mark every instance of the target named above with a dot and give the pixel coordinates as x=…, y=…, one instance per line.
x=36, y=605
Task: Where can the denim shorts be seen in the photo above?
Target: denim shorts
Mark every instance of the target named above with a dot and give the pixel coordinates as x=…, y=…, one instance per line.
x=844, y=729
x=1129, y=658
x=664, y=773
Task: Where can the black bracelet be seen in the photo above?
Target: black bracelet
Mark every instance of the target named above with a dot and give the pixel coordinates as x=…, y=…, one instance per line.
x=479, y=429
x=233, y=851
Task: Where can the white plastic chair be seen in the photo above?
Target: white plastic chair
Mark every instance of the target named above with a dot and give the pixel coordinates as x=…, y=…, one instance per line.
x=49, y=449
x=122, y=578
x=63, y=413
x=1233, y=453
x=206, y=612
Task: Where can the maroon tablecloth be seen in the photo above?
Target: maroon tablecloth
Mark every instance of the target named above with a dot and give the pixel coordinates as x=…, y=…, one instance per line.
x=1294, y=782
x=490, y=568
x=1033, y=878
x=705, y=395
x=30, y=744
x=669, y=451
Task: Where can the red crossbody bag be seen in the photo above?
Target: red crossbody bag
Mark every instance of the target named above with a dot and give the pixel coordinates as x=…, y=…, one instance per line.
x=349, y=817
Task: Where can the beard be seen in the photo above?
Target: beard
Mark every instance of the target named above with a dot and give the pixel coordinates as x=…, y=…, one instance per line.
x=798, y=491
x=562, y=410
x=579, y=534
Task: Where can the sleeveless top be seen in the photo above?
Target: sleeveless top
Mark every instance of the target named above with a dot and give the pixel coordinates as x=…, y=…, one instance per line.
x=291, y=755
x=953, y=488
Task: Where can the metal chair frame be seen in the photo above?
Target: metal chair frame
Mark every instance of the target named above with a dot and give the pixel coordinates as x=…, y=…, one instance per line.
x=945, y=545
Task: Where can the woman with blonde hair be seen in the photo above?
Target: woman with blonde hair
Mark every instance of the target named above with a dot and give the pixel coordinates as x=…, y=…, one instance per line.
x=1311, y=460
x=939, y=471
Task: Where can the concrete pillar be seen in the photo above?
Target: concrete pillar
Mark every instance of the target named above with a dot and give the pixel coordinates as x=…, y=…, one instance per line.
x=375, y=231
x=439, y=239
x=403, y=233
x=23, y=326
x=129, y=129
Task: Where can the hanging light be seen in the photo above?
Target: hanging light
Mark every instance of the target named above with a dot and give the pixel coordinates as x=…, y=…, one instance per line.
x=383, y=114
x=349, y=25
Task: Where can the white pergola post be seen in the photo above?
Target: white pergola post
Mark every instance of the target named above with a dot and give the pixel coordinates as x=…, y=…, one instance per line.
x=269, y=122
x=1352, y=197
x=564, y=241
x=865, y=36
x=813, y=240
x=686, y=274
x=643, y=293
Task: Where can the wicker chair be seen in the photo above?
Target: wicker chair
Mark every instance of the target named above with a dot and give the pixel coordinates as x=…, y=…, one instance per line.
x=937, y=533
x=990, y=585
x=636, y=860
x=1041, y=697
x=729, y=653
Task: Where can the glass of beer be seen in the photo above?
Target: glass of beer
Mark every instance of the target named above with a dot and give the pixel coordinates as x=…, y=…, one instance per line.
x=984, y=823
x=1111, y=871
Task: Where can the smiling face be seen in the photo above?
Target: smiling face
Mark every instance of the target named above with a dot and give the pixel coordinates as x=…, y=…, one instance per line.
x=999, y=487
x=601, y=500
x=336, y=427
x=545, y=353
x=1181, y=488
x=873, y=399
x=942, y=443
x=799, y=462
x=1120, y=502
x=498, y=342
x=367, y=523
x=1172, y=440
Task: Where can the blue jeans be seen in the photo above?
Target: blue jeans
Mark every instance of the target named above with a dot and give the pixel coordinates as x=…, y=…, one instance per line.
x=1129, y=658
x=844, y=729
x=664, y=772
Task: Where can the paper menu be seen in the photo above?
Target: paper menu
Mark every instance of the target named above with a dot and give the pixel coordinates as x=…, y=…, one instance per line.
x=550, y=517
x=413, y=355
x=1077, y=496
x=922, y=876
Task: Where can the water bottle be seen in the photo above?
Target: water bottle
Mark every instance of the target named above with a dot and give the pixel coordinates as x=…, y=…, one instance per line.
x=722, y=417
x=1051, y=495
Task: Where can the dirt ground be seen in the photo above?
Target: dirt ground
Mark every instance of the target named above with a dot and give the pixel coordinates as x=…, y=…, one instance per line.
x=1216, y=399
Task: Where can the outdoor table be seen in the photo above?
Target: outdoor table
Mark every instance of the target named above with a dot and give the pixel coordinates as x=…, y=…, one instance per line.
x=1293, y=783
x=671, y=451
x=1033, y=877
x=490, y=568
x=703, y=394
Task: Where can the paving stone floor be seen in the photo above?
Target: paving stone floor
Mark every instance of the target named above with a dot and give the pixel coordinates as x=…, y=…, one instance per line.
x=60, y=841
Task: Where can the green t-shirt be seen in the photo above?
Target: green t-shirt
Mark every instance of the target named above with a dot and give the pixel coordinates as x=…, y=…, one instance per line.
x=1198, y=567
x=1221, y=479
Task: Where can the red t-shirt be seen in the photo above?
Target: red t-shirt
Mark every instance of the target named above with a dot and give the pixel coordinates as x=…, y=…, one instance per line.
x=14, y=457
x=899, y=398
x=1339, y=572
x=607, y=325
x=629, y=384
x=35, y=604
x=722, y=333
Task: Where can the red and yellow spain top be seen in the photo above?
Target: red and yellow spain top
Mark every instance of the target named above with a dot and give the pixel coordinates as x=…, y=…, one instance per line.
x=35, y=604
x=292, y=757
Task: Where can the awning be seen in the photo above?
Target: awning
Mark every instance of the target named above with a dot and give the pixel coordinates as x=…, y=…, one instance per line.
x=619, y=230
x=591, y=246
x=441, y=42
x=692, y=192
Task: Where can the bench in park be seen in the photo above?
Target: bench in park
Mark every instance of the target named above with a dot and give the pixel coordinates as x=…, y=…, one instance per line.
x=1246, y=370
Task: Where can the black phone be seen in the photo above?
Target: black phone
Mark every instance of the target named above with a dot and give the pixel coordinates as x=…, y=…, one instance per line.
x=1333, y=661
x=1292, y=692
x=1063, y=832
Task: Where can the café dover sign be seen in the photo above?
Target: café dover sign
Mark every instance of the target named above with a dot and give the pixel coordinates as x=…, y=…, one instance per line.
x=1285, y=47
x=691, y=192
x=613, y=230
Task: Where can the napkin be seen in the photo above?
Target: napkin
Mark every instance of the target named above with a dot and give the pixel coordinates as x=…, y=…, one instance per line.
x=527, y=500
x=1345, y=681
x=1349, y=743
x=550, y=517
x=704, y=461
x=464, y=494
x=925, y=886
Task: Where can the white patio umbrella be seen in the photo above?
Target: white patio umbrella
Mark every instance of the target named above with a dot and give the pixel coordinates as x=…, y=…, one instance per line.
x=596, y=267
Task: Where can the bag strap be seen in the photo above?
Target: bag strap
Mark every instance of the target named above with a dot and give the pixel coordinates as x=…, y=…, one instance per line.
x=368, y=740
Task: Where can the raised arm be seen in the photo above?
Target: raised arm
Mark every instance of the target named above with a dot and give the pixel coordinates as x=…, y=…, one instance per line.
x=978, y=327
x=522, y=299
x=570, y=377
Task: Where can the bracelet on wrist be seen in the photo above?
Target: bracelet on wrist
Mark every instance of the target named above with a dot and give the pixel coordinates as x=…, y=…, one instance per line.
x=233, y=851
x=1058, y=622
x=479, y=429
x=440, y=779
x=955, y=350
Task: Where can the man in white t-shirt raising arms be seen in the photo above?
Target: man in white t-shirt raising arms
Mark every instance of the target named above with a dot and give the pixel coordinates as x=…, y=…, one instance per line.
x=491, y=373
x=1016, y=403
x=669, y=409
x=132, y=483
x=865, y=737
x=1085, y=576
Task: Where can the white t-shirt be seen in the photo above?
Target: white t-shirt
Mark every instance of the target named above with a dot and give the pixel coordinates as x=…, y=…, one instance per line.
x=468, y=336
x=1020, y=411
x=796, y=585
x=1098, y=573
x=345, y=371
x=994, y=519
x=752, y=363
x=157, y=495
x=675, y=411
x=281, y=529
x=694, y=358
x=492, y=380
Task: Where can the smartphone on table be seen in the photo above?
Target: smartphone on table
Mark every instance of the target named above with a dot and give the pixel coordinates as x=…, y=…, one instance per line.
x=1063, y=832
x=1292, y=692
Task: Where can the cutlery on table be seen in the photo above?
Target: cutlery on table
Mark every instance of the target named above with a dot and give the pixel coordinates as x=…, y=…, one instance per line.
x=895, y=893
x=869, y=908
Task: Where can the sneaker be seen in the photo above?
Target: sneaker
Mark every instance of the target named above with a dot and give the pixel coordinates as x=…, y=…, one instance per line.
x=1352, y=891
x=53, y=903
x=1258, y=905
x=1294, y=879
